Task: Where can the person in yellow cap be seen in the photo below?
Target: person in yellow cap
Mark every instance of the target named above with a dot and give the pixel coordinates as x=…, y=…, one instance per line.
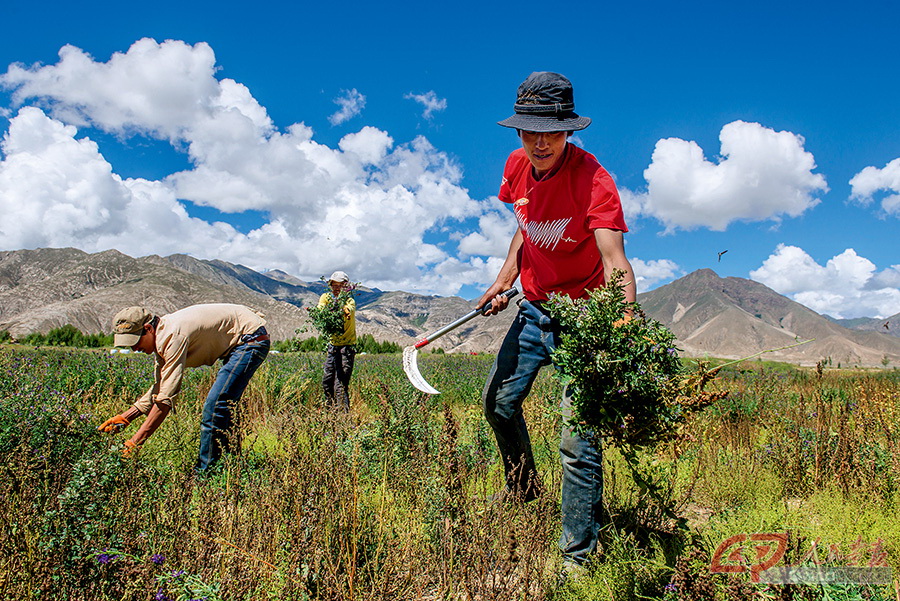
x=194, y=336
x=341, y=352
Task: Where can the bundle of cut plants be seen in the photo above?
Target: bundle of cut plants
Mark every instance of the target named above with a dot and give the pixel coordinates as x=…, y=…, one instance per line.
x=329, y=318
x=627, y=383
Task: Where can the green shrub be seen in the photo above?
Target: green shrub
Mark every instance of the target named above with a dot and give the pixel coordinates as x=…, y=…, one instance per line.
x=68, y=335
x=624, y=377
x=365, y=343
x=314, y=344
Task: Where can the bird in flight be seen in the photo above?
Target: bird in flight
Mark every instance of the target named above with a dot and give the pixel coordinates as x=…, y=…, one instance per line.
x=722, y=253
x=887, y=325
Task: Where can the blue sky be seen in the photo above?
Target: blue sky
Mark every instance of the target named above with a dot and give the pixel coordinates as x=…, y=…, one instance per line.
x=363, y=137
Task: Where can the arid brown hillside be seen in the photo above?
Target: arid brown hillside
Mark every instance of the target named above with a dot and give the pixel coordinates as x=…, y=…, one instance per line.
x=47, y=288
x=888, y=325
x=400, y=317
x=735, y=317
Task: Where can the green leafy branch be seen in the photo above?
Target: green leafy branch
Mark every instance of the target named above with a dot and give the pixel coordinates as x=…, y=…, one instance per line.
x=329, y=319
x=627, y=383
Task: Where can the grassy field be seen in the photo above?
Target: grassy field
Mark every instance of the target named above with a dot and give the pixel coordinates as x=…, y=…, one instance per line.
x=388, y=501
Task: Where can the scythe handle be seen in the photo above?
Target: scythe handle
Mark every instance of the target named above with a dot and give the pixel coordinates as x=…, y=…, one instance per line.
x=452, y=326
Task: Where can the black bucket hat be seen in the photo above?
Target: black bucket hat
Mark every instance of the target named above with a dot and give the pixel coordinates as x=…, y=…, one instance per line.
x=545, y=103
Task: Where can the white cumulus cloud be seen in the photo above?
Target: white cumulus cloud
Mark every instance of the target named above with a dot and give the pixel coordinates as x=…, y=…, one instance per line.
x=871, y=180
x=162, y=89
x=846, y=286
x=762, y=175
x=365, y=207
x=371, y=145
x=351, y=104
x=495, y=231
x=632, y=204
x=650, y=273
x=430, y=102
x=56, y=190
x=888, y=278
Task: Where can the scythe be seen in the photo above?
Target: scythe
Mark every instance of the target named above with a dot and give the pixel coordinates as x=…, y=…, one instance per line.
x=410, y=353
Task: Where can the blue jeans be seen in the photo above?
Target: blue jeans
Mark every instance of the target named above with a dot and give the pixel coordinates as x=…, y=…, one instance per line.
x=526, y=348
x=237, y=368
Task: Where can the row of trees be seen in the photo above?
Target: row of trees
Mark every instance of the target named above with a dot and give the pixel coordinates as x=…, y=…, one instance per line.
x=365, y=343
x=69, y=335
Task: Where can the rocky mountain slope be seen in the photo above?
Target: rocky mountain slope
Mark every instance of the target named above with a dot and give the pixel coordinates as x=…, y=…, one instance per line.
x=399, y=317
x=47, y=288
x=889, y=325
x=735, y=317
x=711, y=316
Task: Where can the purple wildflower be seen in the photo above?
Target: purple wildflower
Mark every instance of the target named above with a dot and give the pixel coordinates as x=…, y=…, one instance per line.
x=105, y=558
x=671, y=587
x=157, y=558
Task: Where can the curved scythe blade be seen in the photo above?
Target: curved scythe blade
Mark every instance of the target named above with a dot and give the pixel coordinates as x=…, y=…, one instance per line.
x=411, y=367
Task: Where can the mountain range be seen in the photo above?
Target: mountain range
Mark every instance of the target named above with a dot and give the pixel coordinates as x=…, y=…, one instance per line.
x=711, y=316
x=735, y=317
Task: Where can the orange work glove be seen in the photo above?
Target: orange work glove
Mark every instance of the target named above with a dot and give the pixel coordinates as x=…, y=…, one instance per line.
x=621, y=322
x=130, y=449
x=115, y=424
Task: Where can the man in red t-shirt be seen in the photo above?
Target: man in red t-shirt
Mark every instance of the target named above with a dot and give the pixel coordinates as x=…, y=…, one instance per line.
x=570, y=236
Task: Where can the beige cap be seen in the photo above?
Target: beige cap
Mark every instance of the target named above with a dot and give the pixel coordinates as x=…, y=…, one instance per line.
x=128, y=325
x=339, y=276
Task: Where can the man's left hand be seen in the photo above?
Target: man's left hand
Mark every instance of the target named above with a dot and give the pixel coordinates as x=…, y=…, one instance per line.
x=130, y=449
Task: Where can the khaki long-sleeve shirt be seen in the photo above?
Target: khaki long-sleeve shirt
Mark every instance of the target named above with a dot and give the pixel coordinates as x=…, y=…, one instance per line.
x=194, y=336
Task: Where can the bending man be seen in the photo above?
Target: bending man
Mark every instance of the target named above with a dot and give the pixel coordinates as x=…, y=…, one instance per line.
x=194, y=336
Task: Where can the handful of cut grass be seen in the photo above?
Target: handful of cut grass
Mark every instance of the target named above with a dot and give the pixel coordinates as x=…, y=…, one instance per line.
x=329, y=319
x=627, y=383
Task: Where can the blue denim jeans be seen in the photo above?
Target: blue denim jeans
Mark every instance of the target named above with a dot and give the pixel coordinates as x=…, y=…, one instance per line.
x=526, y=348
x=237, y=368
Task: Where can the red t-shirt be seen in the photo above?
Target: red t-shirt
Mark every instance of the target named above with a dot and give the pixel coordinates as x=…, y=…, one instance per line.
x=558, y=216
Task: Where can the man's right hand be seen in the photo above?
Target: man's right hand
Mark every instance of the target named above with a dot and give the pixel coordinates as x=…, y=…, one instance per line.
x=130, y=449
x=119, y=422
x=493, y=301
x=114, y=424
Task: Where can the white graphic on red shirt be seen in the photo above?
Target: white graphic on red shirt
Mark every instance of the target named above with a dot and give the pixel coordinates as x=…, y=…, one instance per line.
x=546, y=234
